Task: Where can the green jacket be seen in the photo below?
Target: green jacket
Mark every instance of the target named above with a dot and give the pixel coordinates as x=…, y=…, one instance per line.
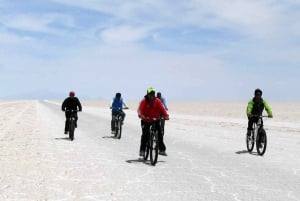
x=257, y=107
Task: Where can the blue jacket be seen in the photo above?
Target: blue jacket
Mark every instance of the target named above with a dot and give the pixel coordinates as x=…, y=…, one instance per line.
x=117, y=105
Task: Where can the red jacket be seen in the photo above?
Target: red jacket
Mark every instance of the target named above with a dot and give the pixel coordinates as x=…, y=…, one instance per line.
x=153, y=109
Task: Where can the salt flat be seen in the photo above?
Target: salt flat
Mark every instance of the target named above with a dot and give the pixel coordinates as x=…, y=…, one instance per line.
x=205, y=141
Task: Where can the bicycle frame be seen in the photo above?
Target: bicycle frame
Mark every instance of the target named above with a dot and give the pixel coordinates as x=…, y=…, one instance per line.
x=118, y=125
x=258, y=136
x=152, y=143
x=72, y=120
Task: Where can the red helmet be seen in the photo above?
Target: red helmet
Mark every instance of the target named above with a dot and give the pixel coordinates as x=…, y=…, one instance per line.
x=72, y=93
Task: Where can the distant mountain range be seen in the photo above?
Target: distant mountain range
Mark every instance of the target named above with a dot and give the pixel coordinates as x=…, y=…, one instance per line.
x=45, y=95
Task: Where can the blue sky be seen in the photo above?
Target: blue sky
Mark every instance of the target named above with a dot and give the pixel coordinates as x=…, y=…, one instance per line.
x=188, y=50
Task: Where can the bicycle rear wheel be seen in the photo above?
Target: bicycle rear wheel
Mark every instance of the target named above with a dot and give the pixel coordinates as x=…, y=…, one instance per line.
x=118, y=129
x=261, y=142
x=250, y=141
x=71, y=128
x=153, y=147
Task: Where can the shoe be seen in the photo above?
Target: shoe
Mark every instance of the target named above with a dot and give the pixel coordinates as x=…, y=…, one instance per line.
x=113, y=132
x=142, y=153
x=66, y=132
x=163, y=153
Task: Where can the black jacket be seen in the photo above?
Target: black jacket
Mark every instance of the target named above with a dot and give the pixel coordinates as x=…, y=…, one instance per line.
x=71, y=103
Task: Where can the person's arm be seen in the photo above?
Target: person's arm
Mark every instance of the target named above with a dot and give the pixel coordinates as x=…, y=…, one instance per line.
x=79, y=105
x=249, y=108
x=63, y=106
x=141, y=109
x=163, y=111
x=165, y=103
x=268, y=109
x=125, y=104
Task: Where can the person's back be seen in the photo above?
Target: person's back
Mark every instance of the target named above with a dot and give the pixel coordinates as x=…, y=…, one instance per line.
x=70, y=103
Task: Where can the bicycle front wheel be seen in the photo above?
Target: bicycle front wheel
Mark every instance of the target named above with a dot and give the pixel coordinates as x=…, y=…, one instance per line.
x=261, y=142
x=153, y=147
x=147, y=150
x=250, y=141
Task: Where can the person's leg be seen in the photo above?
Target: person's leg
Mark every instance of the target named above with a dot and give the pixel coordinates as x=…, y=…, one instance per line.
x=250, y=124
x=112, y=122
x=67, y=114
x=161, y=144
x=144, y=137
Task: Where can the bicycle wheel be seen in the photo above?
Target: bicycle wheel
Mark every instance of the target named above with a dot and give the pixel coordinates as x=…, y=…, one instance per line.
x=261, y=142
x=153, y=147
x=116, y=127
x=119, y=129
x=71, y=128
x=147, y=150
x=250, y=141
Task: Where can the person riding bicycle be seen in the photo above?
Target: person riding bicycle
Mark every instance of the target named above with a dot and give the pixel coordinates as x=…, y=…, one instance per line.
x=164, y=102
x=151, y=107
x=71, y=103
x=117, y=105
x=255, y=108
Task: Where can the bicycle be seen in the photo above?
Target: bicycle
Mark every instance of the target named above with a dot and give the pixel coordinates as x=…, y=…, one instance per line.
x=118, y=122
x=152, y=143
x=72, y=122
x=258, y=135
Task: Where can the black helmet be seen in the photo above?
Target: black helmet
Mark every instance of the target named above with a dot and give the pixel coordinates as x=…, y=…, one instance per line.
x=258, y=91
x=118, y=95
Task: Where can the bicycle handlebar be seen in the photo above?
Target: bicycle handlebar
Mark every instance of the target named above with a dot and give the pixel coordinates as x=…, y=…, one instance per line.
x=261, y=116
x=151, y=118
x=118, y=108
x=71, y=110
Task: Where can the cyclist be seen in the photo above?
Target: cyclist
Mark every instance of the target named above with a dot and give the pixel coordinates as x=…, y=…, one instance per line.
x=151, y=107
x=70, y=103
x=255, y=107
x=117, y=105
x=162, y=99
x=164, y=102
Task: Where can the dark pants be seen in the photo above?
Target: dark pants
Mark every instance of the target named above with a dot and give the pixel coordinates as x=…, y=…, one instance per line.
x=146, y=133
x=251, y=121
x=68, y=114
x=113, y=115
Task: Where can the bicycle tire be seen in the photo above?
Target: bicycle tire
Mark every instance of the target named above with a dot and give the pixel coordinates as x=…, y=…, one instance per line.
x=119, y=129
x=71, y=129
x=147, y=150
x=250, y=142
x=261, y=142
x=116, y=127
x=153, y=147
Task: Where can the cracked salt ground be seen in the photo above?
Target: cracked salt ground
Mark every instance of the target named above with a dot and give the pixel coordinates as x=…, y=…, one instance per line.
x=207, y=157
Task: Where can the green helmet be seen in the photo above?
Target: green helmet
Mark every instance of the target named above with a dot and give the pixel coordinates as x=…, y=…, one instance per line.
x=150, y=90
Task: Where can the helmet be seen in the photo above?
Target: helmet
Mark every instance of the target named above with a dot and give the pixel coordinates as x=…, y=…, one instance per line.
x=150, y=90
x=72, y=93
x=158, y=94
x=258, y=91
x=118, y=95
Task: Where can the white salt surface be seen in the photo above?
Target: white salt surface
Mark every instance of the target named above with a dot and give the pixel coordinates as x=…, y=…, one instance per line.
x=207, y=158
